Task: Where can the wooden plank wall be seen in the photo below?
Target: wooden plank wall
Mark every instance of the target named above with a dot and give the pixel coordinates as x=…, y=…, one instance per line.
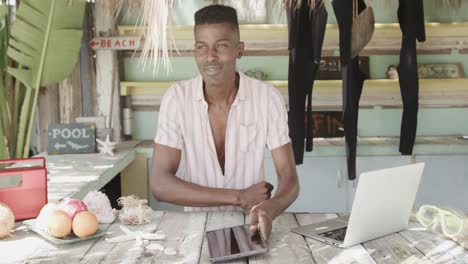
x=92, y=89
x=107, y=99
x=70, y=96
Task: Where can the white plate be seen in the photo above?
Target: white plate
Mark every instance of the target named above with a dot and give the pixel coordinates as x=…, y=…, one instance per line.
x=70, y=239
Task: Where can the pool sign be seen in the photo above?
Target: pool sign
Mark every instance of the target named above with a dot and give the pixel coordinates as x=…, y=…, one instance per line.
x=115, y=43
x=71, y=139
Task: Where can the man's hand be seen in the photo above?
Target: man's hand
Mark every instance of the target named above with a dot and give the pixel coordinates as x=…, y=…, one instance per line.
x=255, y=194
x=263, y=214
x=261, y=217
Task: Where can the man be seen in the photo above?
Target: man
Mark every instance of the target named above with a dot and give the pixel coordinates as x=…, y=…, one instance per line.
x=222, y=120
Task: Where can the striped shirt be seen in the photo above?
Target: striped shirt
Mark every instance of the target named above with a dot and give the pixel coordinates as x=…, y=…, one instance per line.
x=257, y=119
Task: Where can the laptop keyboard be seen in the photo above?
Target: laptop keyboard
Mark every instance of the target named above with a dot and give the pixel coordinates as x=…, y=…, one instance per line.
x=336, y=234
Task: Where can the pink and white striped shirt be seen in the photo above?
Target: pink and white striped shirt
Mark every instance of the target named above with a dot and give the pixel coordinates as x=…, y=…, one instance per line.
x=257, y=119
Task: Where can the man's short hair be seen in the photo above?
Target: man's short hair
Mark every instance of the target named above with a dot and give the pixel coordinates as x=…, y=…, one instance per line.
x=214, y=14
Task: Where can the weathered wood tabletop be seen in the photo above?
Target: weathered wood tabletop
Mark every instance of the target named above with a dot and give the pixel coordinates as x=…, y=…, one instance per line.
x=185, y=234
x=74, y=175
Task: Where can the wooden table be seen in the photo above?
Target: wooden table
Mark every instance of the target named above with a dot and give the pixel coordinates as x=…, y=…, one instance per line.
x=74, y=175
x=185, y=233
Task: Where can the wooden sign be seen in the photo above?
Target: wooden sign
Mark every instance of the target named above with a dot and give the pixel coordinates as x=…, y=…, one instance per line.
x=328, y=124
x=440, y=70
x=71, y=139
x=115, y=43
x=330, y=68
x=432, y=71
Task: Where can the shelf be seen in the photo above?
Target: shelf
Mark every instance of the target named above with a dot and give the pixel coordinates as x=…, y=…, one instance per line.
x=368, y=146
x=271, y=40
x=328, y=94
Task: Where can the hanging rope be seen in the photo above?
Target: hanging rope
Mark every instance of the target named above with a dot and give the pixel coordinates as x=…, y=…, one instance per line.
x=156, y=14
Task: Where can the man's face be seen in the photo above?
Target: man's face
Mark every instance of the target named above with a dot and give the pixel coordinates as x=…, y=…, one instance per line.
x=216, y=48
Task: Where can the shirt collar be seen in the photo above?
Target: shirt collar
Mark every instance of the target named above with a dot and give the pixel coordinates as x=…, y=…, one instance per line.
x=241, y=93
x=199, y=88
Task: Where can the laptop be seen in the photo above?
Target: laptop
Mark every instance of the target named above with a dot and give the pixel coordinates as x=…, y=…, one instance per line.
x=382, y=205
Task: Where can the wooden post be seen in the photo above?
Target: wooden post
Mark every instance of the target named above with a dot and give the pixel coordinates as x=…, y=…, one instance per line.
x=107, y=99
x=70, y=96
x=88, y=69
x=48, y=112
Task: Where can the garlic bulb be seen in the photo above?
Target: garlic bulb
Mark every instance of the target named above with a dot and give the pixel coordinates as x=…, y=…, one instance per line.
x=99, y=204
x=46, y=211
x=7, y=220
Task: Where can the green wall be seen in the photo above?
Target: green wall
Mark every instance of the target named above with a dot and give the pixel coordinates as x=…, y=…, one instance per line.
x=276, y=67
x=372, y=122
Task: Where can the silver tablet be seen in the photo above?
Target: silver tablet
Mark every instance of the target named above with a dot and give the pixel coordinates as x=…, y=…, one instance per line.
x=234, y=242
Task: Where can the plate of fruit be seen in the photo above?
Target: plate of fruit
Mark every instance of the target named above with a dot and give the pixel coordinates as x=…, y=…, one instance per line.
x=66, y=222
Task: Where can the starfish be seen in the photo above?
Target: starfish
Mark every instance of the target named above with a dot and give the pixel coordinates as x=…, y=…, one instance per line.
x=106, y=147
x=139, y=236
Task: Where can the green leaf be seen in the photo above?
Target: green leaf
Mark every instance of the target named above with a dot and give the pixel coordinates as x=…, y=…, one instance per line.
x=45, y=40
x=20, y=57
x=46, y=37
x=24, y=76
x=3, y=147
x=68, y=42
x=3, y=11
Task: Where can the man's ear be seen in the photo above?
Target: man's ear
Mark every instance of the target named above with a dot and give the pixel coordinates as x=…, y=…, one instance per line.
x=240, y=49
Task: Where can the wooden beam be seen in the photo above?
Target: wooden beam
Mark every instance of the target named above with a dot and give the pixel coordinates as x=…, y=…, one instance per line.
x=280, y=31
x=144, y=88
x=328, y=94
x=420, y=51
x=107, y=100
x=145, y=108
x=270, y=39
x=190, y=53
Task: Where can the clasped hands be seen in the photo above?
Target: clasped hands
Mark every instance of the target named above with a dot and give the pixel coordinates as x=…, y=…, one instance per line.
x=256, y=199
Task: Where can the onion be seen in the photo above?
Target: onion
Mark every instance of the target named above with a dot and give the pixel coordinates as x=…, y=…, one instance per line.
x=7, y=220
x=72, y=207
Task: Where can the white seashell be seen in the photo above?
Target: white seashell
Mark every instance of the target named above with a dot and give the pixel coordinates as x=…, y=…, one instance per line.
x=122, y=238
x=125, y=230
x=170, y=251
x=155, y=246
x=153, y=236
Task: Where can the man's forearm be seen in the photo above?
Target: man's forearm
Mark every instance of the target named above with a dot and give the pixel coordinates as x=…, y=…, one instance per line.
x=288, y=182
x=180, y=192
x=285, y=195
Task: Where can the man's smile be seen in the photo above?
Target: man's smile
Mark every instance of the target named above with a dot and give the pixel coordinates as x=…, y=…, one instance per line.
x=212, y=69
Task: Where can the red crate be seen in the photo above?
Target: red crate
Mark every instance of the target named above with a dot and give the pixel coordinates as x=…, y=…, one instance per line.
x=27, y=199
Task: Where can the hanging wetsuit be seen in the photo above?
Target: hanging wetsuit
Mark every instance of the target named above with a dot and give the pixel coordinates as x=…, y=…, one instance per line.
x=411, y=18
x=306, y=34
x=353, y=79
